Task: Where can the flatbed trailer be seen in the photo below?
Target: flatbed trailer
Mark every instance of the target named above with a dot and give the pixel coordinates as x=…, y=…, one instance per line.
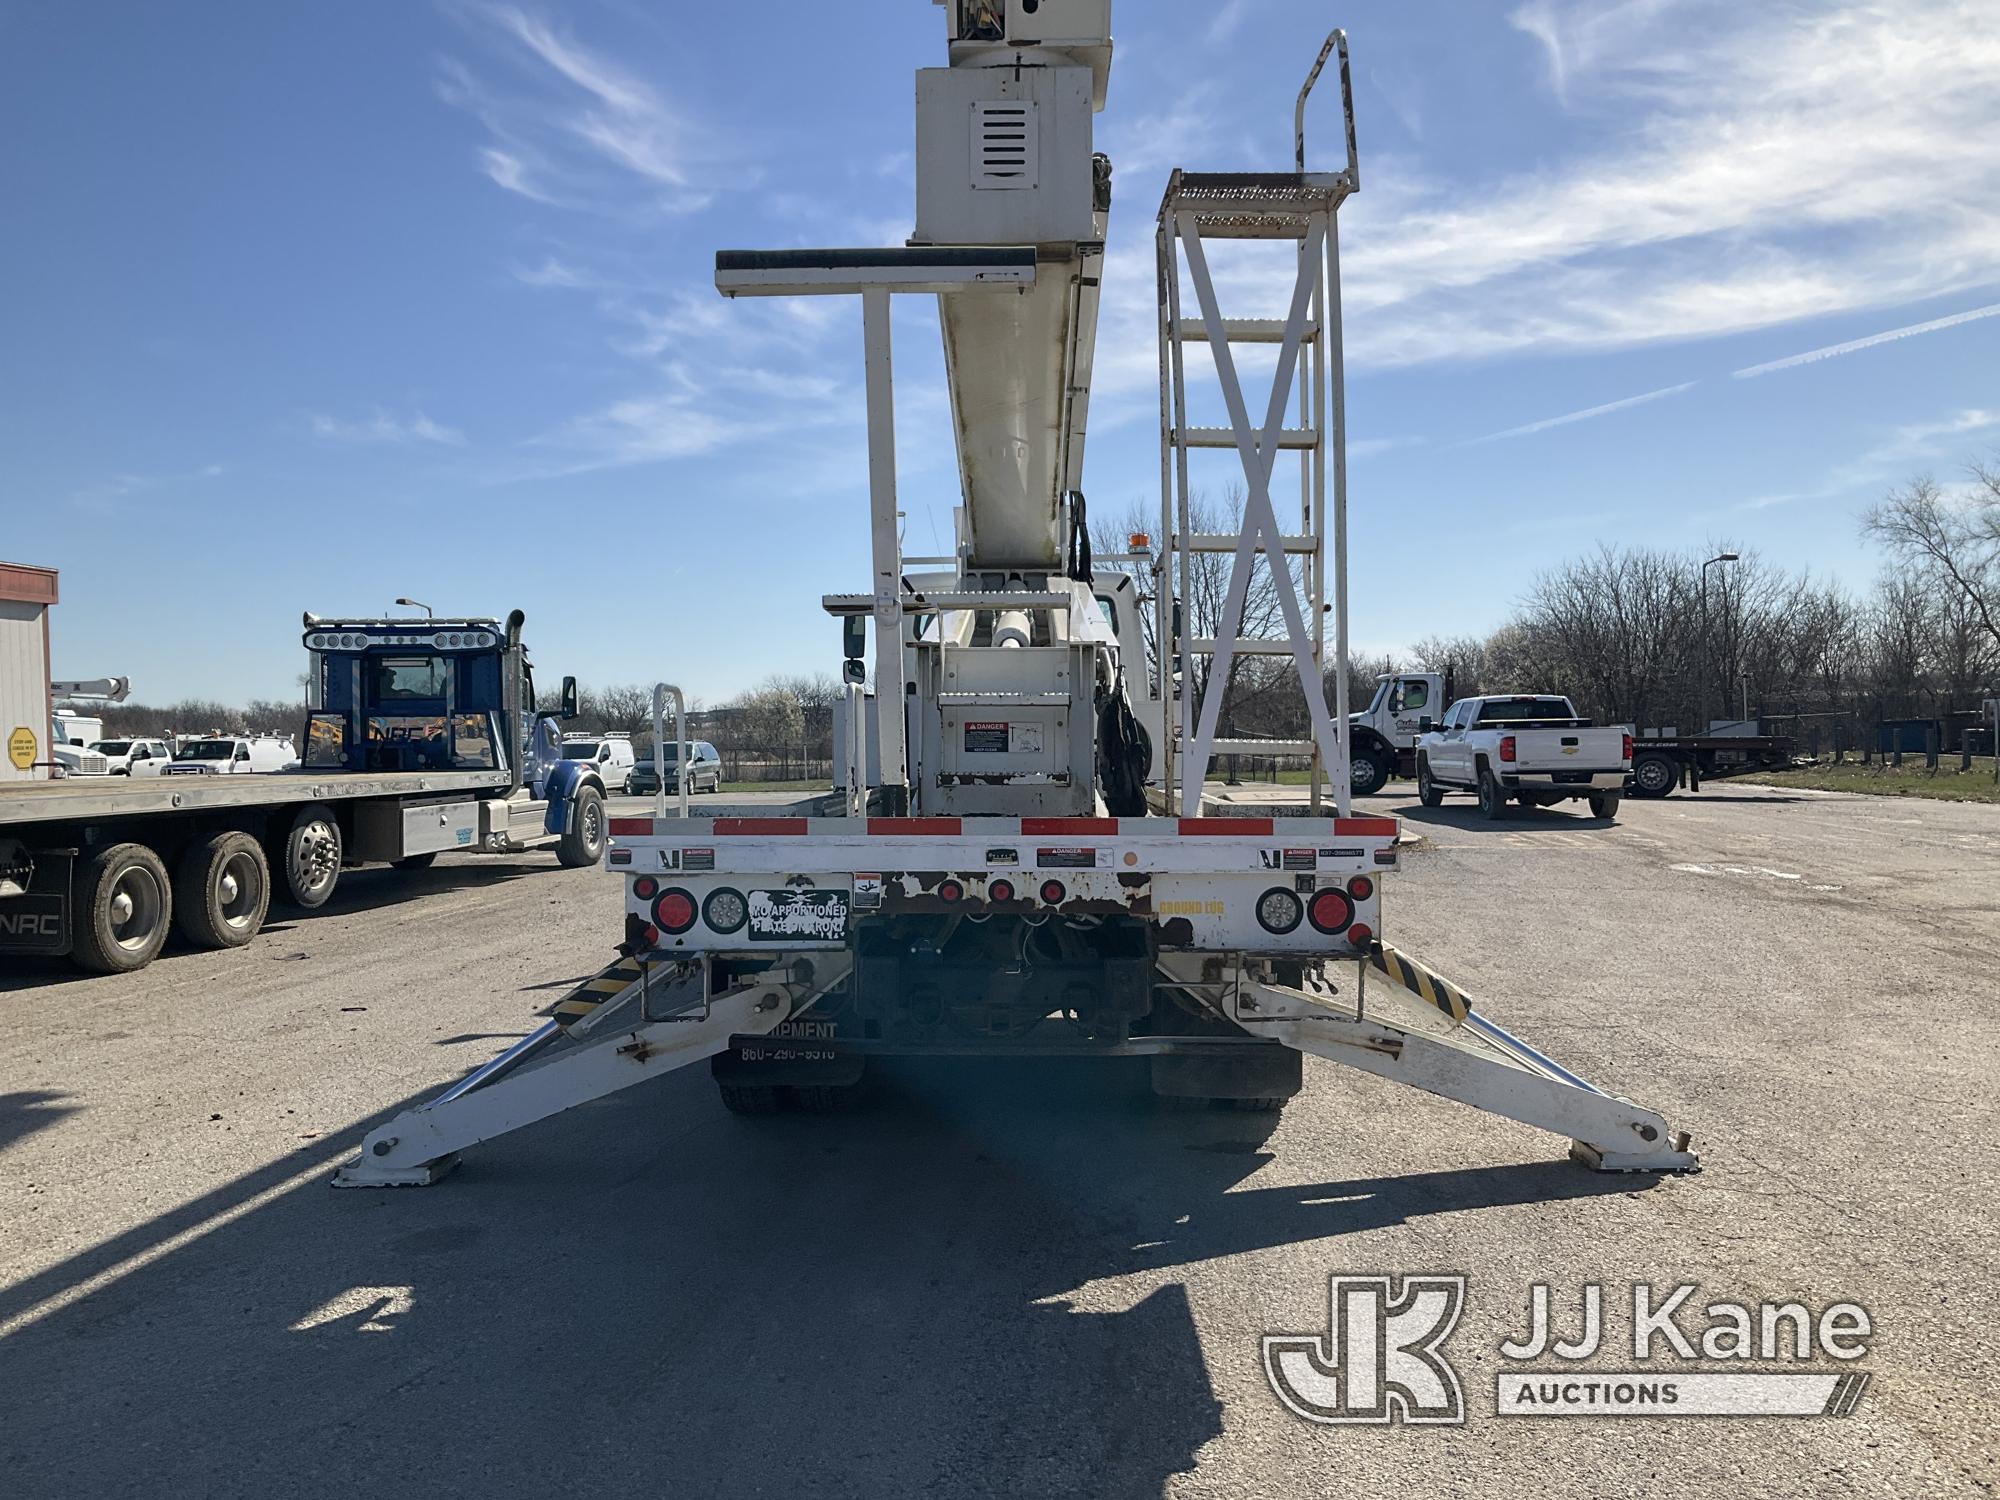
x=101, y=869
x=1661, y=764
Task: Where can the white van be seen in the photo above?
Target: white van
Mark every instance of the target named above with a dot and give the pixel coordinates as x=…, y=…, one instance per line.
x=233, y=755
x=610, y=754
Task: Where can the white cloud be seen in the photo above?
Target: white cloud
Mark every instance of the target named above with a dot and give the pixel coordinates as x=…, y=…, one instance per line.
x=1832, y=351
x=1587, y=413
x=382, y=428
x=551, y=272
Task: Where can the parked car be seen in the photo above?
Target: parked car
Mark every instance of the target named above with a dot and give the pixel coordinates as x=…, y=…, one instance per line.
x=611, y=754
x=233, y=755
x=134, y=757
x=704, y=771
x=1529, y=747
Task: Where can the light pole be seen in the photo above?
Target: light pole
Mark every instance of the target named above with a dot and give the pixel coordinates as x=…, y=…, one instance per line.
x=1720, y=557
x=418, y=604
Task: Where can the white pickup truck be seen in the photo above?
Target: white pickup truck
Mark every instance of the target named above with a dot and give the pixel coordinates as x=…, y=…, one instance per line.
x=1532, y=748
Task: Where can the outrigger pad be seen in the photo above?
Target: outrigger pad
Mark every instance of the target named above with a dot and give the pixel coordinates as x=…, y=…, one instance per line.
x=1676, y=1159
x=358, y=1174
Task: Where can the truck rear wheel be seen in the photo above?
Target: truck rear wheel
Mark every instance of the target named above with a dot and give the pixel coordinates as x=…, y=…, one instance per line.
x=223, y=891
x=1653, y=776
x=305, y=863
x=123, y=905
x=1368, y=772
x=1492, y=799
x=1604, y=805
x=583, y=831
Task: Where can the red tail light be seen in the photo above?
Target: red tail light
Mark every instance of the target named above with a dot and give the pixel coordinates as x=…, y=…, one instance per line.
x=1361, y=888
x=1000, y=890
x=1506, y=747
x=951, y=890
x=674, y=911
x=1053, y=892
x=1330, y=911
x=645, y=888
x=1361, y=934
x=1628, y=747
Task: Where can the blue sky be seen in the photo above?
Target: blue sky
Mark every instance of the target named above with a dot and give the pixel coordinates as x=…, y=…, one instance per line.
x=312, y=306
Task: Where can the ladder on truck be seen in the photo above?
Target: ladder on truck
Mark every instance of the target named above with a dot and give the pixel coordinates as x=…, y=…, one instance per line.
x=1302, y=208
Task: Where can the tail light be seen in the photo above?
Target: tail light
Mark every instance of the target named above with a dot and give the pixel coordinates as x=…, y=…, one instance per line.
x=651, y=932
x=1053, y=892
x=951, y=890
x=1361, y=888
x=1361, y=934
x=1506, y=747
x=725, y=910
x=1330, y=911
x=674, y=910
x=1628, y=747
x=1000, y=890
x=1278, y=910
x=645, y=888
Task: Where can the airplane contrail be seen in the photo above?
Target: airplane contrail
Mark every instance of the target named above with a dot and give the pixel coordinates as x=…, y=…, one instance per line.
x=1813, y=356
x=1589, y=411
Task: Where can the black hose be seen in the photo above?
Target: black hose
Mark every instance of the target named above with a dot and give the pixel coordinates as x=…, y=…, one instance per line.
x=1124, y=756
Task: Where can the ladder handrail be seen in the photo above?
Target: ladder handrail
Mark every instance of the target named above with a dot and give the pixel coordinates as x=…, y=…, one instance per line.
x=1335, y=40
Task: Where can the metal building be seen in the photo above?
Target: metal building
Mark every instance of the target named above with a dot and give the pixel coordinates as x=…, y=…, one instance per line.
x=25, y=596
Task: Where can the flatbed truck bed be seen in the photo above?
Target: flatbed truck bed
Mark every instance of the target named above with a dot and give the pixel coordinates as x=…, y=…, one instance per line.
x=93, y=797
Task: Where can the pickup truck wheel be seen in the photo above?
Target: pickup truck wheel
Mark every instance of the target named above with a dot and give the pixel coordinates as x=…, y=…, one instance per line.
x=1604, y=805
x=1653, y=776
x=1492, y=799
x=122, y=903
x=305, y=865
x=1428, y=791
x=583, y=835
x=1368, y=773
x=416, y=861
x=223, y=891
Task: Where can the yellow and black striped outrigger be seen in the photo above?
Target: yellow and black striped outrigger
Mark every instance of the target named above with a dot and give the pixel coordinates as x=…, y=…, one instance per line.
x=1425, y=983
x=605, y=985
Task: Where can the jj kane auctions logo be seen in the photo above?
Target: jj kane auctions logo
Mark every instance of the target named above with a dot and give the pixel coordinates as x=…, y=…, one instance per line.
x=1382, y=1359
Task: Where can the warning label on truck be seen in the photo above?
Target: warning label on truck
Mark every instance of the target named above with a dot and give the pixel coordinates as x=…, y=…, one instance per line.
x=1066, y=859
x=985, y=738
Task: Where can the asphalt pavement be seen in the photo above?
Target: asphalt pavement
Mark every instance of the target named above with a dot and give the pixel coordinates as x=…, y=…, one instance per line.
x=1010, y=1280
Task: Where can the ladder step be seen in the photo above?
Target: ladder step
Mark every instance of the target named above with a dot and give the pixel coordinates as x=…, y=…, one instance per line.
x=1243, y=330
x=1272, y=748
x=1222, y=541
x=1225, y=437
x=1249, y=645
x=1007, y=700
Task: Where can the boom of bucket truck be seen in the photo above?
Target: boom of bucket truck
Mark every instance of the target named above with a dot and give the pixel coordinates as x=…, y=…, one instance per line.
x=1003, y=886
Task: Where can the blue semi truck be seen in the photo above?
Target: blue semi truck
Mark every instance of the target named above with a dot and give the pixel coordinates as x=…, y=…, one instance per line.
x=421, y=737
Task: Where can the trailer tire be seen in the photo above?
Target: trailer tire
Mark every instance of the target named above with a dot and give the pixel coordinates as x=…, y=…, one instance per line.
x=751, y=1098
x=415, y=861
x=1428, y=791
x=1267, y=1104
x=583, y=831
x=1654, y=776
x=127, y=878
x=1492, y=797
x=1605, y=805
x=222, y=891
x=1367, y=772
x=305, y=862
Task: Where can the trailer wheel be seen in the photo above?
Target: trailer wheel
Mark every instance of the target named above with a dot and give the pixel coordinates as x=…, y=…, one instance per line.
x=1367, y=772
x=1605, y=805
x=1653, y=776
x=223, y=891
x=124, y=901
x=307, y=859
x=751, y=1098
x=583, y=834
x=1428, y=791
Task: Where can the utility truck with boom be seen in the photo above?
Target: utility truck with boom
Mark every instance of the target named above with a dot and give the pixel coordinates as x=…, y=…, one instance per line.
x=1027, y=874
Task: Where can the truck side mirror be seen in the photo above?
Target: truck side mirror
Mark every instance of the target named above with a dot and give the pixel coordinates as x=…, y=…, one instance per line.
x=569, y=698
x=1424, y=725
x=854, y=637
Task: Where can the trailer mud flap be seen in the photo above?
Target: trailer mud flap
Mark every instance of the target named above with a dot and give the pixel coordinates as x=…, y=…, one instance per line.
x=37, y=920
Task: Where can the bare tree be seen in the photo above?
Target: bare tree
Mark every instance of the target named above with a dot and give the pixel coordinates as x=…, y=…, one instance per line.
x=1956, y=538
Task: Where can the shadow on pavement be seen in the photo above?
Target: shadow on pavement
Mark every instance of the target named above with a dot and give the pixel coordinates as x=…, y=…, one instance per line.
x=30, y=1110
x=652, y=1296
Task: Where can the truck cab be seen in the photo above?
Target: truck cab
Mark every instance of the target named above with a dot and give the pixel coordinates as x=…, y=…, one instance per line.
x=1385, y=732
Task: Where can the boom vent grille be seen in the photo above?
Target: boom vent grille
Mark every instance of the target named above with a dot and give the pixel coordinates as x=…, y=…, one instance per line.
x=1004, y=153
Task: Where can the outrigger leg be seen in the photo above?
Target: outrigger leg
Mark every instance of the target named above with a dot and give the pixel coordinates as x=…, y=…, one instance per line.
x=1421, y=1030
x=679, y=1020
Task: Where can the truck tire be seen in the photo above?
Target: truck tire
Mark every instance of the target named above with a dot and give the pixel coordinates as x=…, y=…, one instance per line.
x=1492, y=798
x=415, y=861
x=122, y=909
x=305, y=861
x=1368, y=772
x=583, y=832
x=222, y=891
x=1605, y=805
x=751, y=1098
x=1428, y=791
x=1654, y=775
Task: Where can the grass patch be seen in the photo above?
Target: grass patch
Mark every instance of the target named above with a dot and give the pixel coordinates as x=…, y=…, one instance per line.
x=1946, y=784
x=777, y=786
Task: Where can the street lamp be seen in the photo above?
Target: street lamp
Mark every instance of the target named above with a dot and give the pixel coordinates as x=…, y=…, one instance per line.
x=1720, y=557
x=417, y=604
